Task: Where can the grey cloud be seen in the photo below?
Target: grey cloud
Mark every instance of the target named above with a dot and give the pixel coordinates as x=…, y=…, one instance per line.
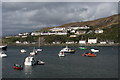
x=21, y=16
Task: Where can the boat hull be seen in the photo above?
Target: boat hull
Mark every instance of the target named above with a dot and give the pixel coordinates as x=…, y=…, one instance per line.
x=17, y=68
x=3, y=47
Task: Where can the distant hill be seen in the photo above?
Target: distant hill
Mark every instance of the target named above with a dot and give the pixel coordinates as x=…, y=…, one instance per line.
x=99, y=23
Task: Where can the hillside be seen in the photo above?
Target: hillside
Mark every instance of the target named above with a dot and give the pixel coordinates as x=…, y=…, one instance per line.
x=99, y=23
x=109, y=25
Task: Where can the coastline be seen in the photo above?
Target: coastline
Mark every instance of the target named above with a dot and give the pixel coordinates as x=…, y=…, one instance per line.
x=36, y=45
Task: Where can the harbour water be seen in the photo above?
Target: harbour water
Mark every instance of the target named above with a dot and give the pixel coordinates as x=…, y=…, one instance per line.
x=104, y=65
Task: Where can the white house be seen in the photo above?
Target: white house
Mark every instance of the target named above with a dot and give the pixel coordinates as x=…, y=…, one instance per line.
x=25, y=42
x=20, y=34
x=54, y=33
x=103, y=42
x=57, y=29
x=80, y=32
x=82, y=42
x=35, y=33
x=70, y=42
x=92, y=40
x=73, y=35
x=17, y=42
x=98, y=31
x=23, y=36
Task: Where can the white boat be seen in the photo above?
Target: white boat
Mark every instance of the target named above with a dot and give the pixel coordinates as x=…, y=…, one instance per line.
x=39, y=50
x=29, y=61
x=94, y=50
x=61, y=54
x=40, y=62
x=3, y=47
x=68, y=50
x=34, y=52
x=23, y=51
x=2, y=54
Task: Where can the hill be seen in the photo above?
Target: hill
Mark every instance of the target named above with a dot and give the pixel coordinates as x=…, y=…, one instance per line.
x=99, y=23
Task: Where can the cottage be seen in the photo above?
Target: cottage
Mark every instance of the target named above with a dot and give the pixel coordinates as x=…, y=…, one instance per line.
x=35, y=33
x=70, y=42
x=80, y=32
x=82, y=42
x=73, y=36
x=98, y=31
x=92, y=40
x=25, y=42
x=23, y=36
x=57, y=29
x=17, y=42
x=103, y=42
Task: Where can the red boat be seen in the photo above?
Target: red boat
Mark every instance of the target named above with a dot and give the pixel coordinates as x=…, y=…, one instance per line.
x=17, y=67
x=89, y=54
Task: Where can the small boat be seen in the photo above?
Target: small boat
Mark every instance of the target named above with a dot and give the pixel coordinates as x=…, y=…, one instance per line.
x=82, y=48
x=30, y=61
x=61, y=54
x=3, y=47
x=88, y=54
x=34, y=52
x=68, y=50
x=94, y=50
x=17, y=67
x=23, y=51
x=2, y=54
x=39, y=50
x=40, y=62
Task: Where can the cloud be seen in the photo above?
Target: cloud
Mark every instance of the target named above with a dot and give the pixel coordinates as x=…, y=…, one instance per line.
x=60, y=0
x=25, y=16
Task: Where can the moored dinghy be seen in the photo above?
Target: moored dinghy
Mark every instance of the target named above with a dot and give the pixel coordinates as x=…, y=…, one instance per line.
x=23, y=51
x=2, y=54
x=68, y=50
x=94, y=50
x=61, y=54
x=17, y=67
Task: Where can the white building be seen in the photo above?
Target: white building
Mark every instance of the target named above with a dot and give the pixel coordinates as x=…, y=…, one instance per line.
x=23, y=36
x=80, y=32
x=20, y=34
x=57, y=29
x=25, y=42
x=103, y=42
x=78, y=27
x=92, y=40
x=17, y=42
x=35, y=33
x=82, y=42
x=73, y=36
x=54, y=33
x=70, y=42
x=98, y=31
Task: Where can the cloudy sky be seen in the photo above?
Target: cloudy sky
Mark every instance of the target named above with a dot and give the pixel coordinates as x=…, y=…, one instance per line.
x=30, y=16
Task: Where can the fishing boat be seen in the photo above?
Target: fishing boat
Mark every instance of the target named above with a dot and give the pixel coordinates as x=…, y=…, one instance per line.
x=29, y=61
x=67, y=50
x=88, y=54
x=94, y=50
x=3, y=47
x=61, y=54
x=3, y=54
x=23, y=51
x=17, y=67
x=82, y=48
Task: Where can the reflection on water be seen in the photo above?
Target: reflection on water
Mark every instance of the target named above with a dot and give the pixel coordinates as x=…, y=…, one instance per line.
x=28, y=70
x=0, y=68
